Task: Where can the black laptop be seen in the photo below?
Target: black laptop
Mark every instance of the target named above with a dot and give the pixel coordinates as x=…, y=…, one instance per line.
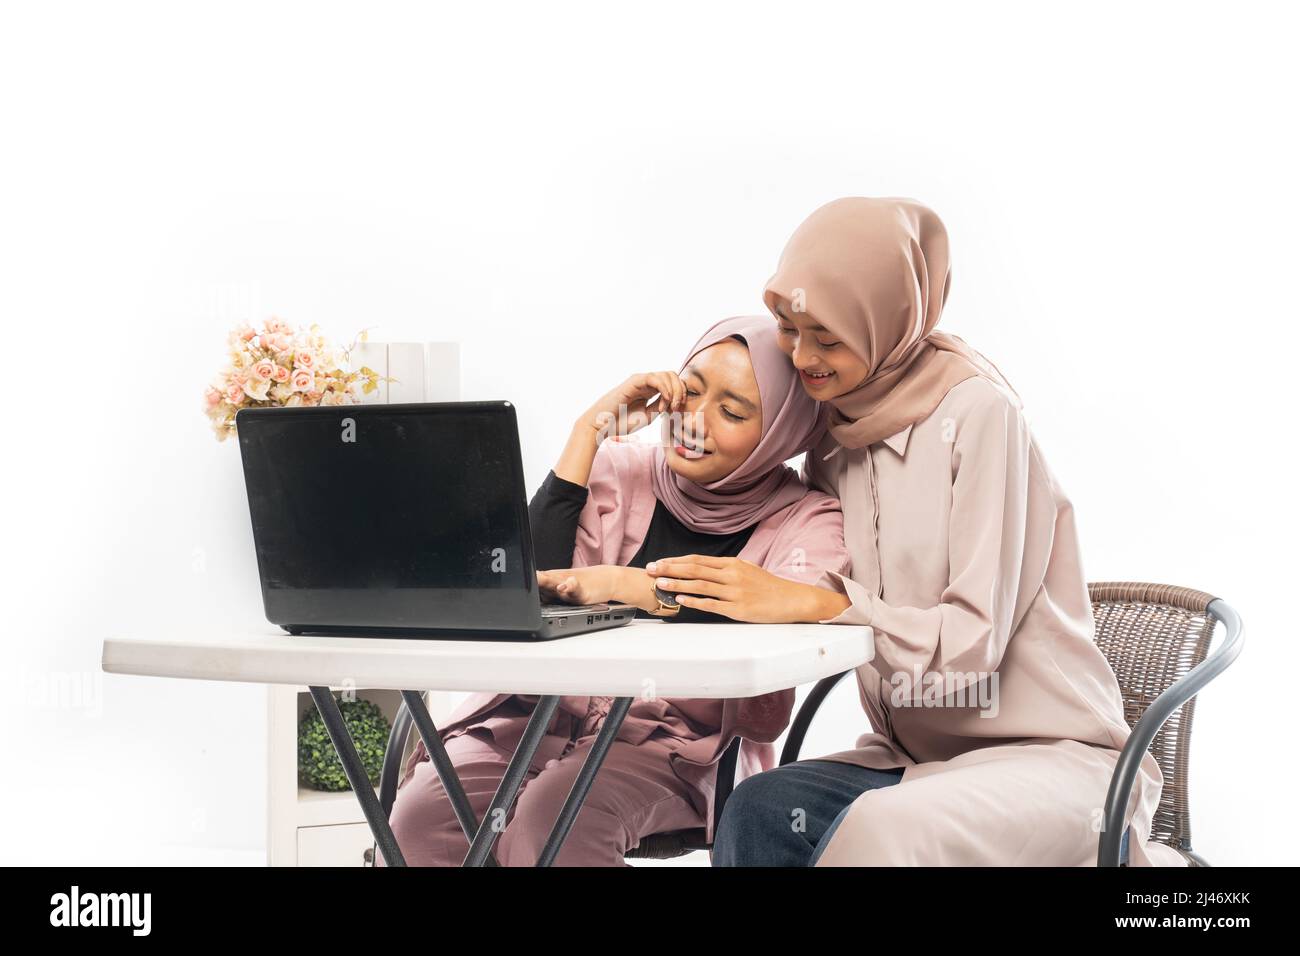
x=399, y=520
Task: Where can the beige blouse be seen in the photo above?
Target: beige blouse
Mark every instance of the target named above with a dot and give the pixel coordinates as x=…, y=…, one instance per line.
x=986, y=683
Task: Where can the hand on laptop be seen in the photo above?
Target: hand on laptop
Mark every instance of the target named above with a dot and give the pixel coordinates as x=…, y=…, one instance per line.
x=599, y=584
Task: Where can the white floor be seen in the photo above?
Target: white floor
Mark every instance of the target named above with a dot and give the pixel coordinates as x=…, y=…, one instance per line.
x=211, y=856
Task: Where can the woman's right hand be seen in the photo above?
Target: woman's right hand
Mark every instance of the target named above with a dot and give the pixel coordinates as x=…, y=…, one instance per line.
x=590, y=585
x=602, y=420
x=599, y=584
x=627, y=407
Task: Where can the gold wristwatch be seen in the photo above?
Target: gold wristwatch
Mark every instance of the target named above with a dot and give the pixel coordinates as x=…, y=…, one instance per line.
x=668, y=605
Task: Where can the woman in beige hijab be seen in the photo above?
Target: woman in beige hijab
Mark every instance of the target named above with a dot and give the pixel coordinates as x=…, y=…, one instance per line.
x=986, y=690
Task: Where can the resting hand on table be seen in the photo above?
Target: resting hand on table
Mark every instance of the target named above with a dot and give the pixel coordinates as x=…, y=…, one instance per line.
x=743, y=591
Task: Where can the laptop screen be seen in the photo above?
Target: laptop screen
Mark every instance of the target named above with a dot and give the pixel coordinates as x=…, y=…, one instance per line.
x=390, y=515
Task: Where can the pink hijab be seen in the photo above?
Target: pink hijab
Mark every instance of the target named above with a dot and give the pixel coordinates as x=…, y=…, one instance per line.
x=763, y=484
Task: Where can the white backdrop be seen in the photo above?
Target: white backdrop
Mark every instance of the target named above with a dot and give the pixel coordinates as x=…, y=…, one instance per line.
x=574, y=193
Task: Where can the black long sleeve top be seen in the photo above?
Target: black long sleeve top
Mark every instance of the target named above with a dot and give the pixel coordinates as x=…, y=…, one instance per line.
x=553, y=515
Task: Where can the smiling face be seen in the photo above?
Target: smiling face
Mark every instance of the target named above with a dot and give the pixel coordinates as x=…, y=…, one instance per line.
x=722, y=422
x=826, y=367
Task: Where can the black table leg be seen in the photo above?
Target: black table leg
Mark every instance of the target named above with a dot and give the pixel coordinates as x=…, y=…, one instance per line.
x=595, y=757
x=516, y=770
x=460, y=804
x=356, y=773
x=482, y=834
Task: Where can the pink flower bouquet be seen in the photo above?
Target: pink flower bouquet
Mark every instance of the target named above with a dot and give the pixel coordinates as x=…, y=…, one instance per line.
x=283, y=366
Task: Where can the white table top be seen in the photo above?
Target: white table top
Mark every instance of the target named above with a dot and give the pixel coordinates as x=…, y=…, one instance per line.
x=672, y=660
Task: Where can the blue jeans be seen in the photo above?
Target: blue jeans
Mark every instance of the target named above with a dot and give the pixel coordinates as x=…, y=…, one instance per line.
x=787, y=815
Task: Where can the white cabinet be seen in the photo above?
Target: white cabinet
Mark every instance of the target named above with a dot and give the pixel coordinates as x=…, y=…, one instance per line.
x=343, y=845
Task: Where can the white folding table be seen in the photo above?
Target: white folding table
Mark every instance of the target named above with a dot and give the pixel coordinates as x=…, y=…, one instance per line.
x=666, y=659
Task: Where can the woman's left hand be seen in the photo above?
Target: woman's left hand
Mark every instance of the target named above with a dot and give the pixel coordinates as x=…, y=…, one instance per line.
x=736, y=588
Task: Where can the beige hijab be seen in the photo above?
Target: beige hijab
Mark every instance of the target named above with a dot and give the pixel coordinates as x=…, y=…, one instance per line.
x=875, y=272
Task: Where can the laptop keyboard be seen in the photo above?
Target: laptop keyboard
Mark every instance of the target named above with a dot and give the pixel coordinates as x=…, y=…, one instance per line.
x=557, y=610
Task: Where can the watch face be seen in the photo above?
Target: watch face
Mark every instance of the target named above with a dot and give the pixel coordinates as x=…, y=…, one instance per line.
x=670, y=600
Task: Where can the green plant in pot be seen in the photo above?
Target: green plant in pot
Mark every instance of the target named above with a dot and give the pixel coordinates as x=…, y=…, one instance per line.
x=319, y=766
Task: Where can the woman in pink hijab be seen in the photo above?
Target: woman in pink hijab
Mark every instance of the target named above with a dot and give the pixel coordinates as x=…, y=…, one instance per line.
x=996, y=721
x=715, y=488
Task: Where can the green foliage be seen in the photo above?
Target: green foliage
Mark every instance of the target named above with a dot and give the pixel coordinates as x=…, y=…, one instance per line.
x=319, y=766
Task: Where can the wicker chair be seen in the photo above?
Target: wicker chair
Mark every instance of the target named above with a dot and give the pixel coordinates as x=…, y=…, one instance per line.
x=1156, y=638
